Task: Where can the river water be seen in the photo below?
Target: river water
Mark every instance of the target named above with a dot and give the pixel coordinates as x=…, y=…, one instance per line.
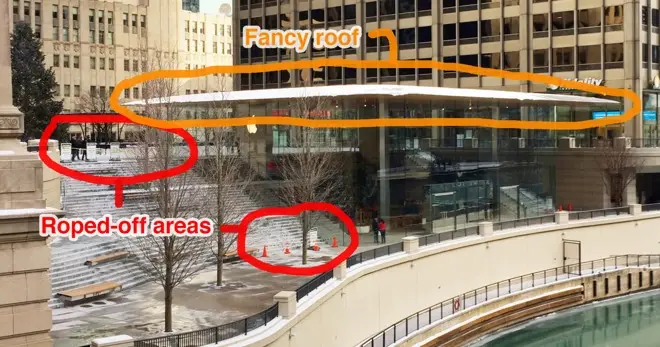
x=630, y=321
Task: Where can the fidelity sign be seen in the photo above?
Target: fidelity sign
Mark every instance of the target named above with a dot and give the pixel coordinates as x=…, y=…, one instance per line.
x=588, y=80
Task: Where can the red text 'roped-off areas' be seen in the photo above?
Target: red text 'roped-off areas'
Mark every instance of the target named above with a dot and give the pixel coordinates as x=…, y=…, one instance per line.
x=137, y=225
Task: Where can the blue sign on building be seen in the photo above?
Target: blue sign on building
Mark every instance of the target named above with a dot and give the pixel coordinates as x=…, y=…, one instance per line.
x=646, y=115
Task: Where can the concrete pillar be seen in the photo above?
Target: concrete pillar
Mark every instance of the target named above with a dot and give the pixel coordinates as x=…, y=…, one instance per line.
x=24, y=280
x=410, y=244
x=635, y=209
x=561, y=217
x=435, y=131
x=384, y=160
x=339, y=272
x=632, y=56
x=113, y=341
x=485, y=229
x=286, y=303
x=493, y=133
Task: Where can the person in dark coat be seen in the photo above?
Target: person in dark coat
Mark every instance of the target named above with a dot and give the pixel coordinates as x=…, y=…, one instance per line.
x=74, y=148
x=374, y=228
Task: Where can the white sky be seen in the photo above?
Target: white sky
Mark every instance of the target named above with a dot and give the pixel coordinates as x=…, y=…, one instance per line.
x=211, y=6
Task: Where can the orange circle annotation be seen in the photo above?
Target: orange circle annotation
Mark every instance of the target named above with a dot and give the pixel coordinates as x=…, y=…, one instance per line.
x=391, y=62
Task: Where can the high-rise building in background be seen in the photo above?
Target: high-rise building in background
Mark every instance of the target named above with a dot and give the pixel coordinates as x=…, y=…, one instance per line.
x=613, y=44
x=95, y=45
x=191, y=5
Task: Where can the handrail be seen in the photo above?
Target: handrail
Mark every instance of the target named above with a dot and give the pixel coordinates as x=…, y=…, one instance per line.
x=242, y=327
x=480, y=295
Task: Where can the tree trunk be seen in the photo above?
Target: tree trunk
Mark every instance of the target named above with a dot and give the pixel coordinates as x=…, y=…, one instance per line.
x=169, y=286
x=219, y=214
x=305, y=228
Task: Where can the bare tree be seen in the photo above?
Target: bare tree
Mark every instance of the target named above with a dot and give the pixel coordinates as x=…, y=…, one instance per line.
x=312, y=172
x=619, y=167
x=228, y=175
x=167, y=260
x=98, y=102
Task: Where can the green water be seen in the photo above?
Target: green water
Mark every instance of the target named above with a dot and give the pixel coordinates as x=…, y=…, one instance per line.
x=631, y=321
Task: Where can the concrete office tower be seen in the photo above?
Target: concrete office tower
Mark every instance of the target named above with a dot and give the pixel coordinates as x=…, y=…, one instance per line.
x=25, y=318
x=615, y=43
x=93, y=45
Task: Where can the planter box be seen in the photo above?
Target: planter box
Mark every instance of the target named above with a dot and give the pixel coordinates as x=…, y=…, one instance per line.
x=365, y=229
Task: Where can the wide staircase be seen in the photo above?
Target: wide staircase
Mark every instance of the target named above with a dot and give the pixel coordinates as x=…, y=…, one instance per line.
x=84, y=200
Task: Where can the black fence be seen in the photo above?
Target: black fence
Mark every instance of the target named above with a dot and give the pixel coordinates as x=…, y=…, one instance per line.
x=493, y=291
x=212, y=335
x=242, y=327
x=579, y=215
x=525, y=222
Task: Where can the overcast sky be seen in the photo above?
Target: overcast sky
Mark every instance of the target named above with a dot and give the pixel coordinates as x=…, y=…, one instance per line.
x=211, y=6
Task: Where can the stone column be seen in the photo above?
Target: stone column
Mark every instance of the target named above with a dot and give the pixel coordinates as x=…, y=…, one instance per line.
x=25, y=318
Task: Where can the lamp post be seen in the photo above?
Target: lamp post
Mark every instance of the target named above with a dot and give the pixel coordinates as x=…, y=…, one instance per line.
x=251, y=129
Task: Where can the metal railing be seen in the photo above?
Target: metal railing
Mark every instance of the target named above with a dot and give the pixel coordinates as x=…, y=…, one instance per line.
x=492, y=291
x=212, y=335
x=615, y=211
x=524, y=222
x=374, y=253
x=244, y=326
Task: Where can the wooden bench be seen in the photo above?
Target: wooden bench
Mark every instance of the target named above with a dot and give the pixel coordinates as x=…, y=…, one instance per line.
x=91, y=291
x=106, y=258
x=233, y=255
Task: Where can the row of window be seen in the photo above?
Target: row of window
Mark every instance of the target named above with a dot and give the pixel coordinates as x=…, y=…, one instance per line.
x=200, y=46
x=65, y=91
x=66, y=62
x=219, y=29
x=103, y=38
x=561, y=59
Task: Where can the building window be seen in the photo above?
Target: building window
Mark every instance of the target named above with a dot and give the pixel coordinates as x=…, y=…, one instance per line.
x=187, y=26
x=76, y=35
x=135, y=65
x=203, y=44
x=229, y=30
x=195, y=45
x=67, y=90
x=540, y=24
x=563, y=23
x=215, y=47
x=645, y=53
x=37, y=11
x=102, y=63
x=56, y=60
x=127, y=93
x=201, y=28
x=228, y=48
x=562, y=59
x=55, y=13
x=541, y=61
x=76, y=90
x=124, y=17
x=92, y=36
x=66, y=61
x=134, y=20
x=110, y=17
x=74, y=14
x=65, y=34
x=194, y=27
x=100, y=16
x=92, y=15
x=215, y=29
x=589, y=57
x=111, y=64
x=111, y=38
x=37, y=30
x=56, y=33
x=76, y=62
x=613, y=18
x=144, y=65
x=613, y=56
x=92, y=90
x=136, y=93
x=65, y=12
x=92, y=63
x=127, y=65
x=143, y=21
x=102, y=37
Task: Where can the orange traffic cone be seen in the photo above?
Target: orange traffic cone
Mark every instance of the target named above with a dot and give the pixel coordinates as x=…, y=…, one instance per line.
x=560, y=208
x=316, y=247
x=570, y=206
x=265, y=253
x=334, y=242
x=286, y=250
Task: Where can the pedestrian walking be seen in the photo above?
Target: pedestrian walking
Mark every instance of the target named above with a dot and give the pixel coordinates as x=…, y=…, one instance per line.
x=374, y=227
x=381, y=230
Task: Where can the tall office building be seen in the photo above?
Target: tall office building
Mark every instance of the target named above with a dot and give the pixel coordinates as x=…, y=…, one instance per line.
x=613, y=44
x=93, y=45
x=191, y=5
